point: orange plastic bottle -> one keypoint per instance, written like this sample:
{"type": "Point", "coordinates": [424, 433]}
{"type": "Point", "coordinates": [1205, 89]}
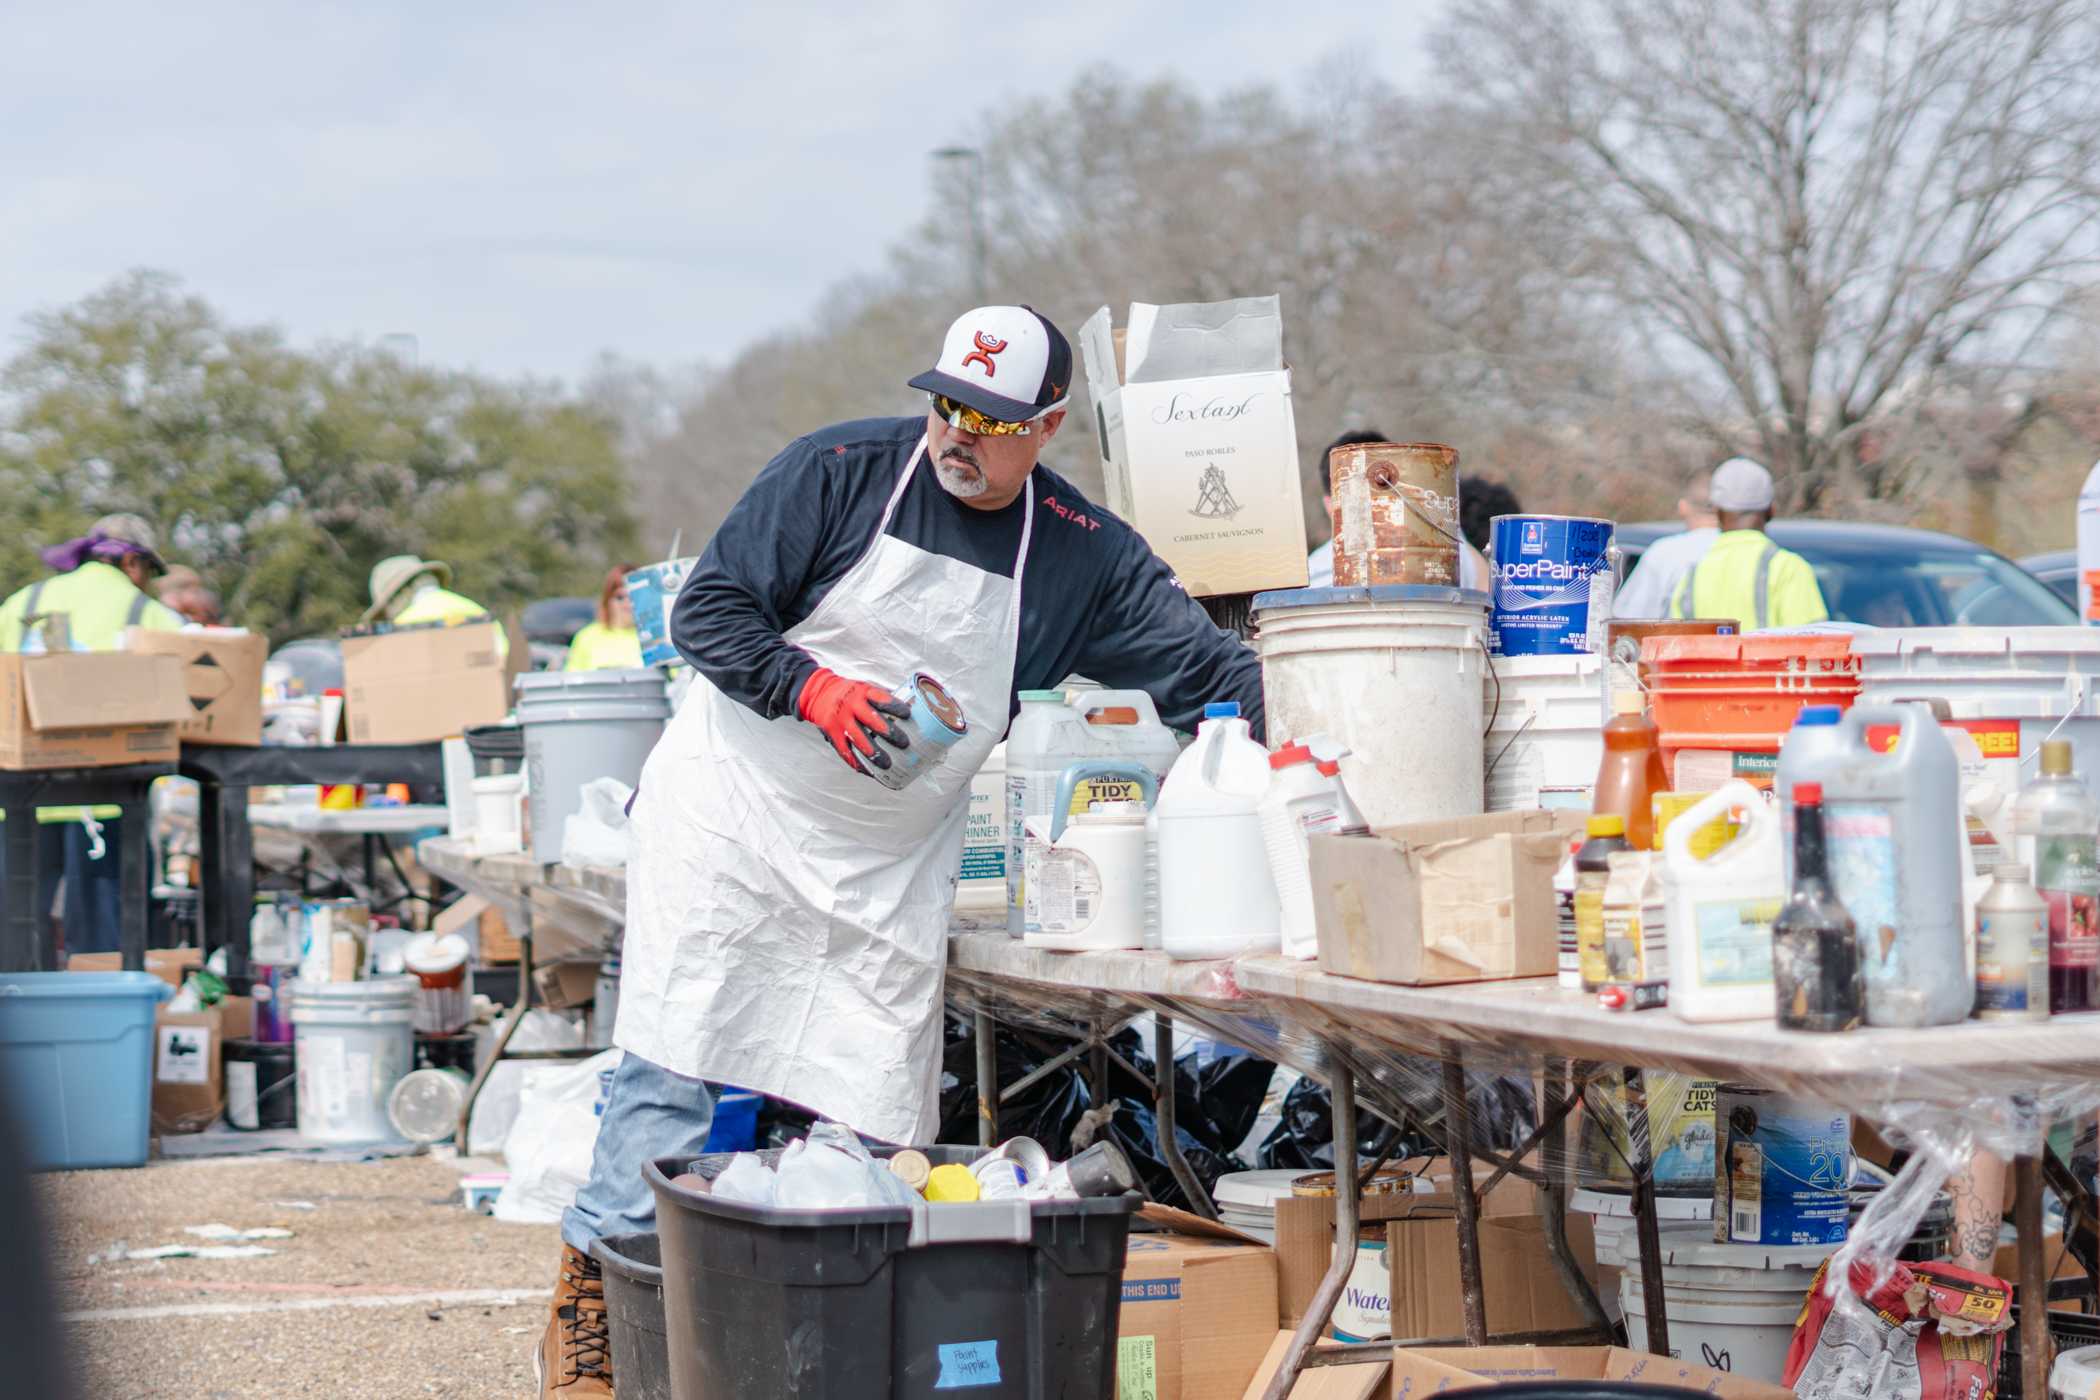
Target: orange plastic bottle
{"type": "Point", "coordinates": [1632, 771]}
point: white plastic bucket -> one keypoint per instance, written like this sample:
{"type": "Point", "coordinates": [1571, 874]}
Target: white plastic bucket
{"type": "Point", "coordinates": [2075, 1375]}
{"type": "Point", "coordinates": [581, 726]}
{"type": "Point", "coordinates": [354, 1042]}
{"type": "Point", "coordinates": [1732, 1306]}
{"type": "Point", "coordinates": [496, 829]}
{"type": "Point", "coordinates": [1396, 674]}
{"type": "Point", "coordinates": [1544, 740]}
{"type": "Point", "coordinates": [1612, 1222]}
{"type": "Point", "coordinates": [2035, 675]}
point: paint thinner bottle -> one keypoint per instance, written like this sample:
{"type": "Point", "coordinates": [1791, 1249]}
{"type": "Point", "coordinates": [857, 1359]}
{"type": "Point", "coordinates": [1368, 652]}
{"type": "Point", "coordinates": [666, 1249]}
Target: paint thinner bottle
{"type": "Point", "coordinates": [1817, 981]}
{"type": "Point", "coordinates": [2012, 949]}
{"type": "Point", "coordinates": [2055, 822]}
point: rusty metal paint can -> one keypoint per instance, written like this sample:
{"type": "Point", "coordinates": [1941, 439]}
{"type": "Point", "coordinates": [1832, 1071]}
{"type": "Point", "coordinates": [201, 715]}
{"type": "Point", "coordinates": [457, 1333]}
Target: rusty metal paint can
{"type": "Point", "coordinates": [1395, 513]}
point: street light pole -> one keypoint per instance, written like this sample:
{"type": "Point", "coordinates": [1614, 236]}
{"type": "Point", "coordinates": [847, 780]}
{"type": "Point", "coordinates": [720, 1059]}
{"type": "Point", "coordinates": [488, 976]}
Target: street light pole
{"type": "Point", "coordinates": [977, 257]}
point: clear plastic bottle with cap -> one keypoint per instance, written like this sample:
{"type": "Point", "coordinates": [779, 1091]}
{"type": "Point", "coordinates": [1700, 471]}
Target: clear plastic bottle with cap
{"type": "Point", "coordinates": [2012, 948]}
{"type": "Point", "coordinates": [1632, 771]}
{"type": "Point", "coordinates": [2055, 824]}
{"type": "Point", "coordinates": [1217, 898]}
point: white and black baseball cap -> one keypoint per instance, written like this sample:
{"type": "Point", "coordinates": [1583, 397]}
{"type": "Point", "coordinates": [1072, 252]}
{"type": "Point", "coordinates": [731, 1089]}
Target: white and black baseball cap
{"type": "Point", "coordinates": [1007, 362]}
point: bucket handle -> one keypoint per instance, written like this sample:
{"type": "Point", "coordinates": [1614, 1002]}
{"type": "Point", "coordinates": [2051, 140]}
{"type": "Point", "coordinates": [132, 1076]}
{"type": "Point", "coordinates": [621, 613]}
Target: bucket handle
{"type": "Point", "coordinates": [970, 1222]}
{"type": "Point", "coordinates": [1068, 783]}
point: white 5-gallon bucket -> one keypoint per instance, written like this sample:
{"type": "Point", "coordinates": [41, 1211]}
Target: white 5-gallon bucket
{"type": "Point", "coordinates": [1731, 1306]}
{"type": "Point", "coordinates": [2075, 1375]}
{"type": "Point", "coordinates": [1611, 1221]}
{"type": "Point", "coordinates": [1395, 673]}
{"type": "Point", "coordinates": [355, 1041]}
{"type": "Point", "coordinates": [1544, 740]}
{"type": "Point", "coordinates": [581, 726]}
{"type": "Point", "coordinates": [2029, 676]}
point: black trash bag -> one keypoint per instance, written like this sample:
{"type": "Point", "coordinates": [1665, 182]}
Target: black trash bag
{"type": "Point", "coordinates": [1135, 1129]}
{"type": "Point", "coordinates": [1047, 1110]}
{"type": "Point", "coordinates": [1504, 1115]}
{"type": "Point", "coordinates": [1220, 1102]}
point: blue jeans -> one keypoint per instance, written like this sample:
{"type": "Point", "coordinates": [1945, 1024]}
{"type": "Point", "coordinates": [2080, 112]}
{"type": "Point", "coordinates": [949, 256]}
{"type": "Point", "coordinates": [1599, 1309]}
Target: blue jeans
{"type": "Point", "coordinates": [649, 1113]}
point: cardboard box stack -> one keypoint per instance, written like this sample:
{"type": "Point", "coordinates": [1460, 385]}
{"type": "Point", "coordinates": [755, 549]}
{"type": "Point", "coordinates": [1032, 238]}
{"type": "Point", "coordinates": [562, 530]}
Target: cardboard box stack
{"type": "Point", "coordinates": [1199, 1302]}
{"type": "Point", "coordinates": [222, 674]}
{"type": "Point", "coordinates": [421, 684]}
{"type": "Point", "coordinates": [1199, 449]}
{"type": "Point", "coordinates": [89, 709]}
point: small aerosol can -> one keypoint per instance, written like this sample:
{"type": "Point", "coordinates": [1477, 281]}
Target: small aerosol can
{"type": "Point", "coordinates": [2012, 949]}
{"type": "Point", "coordinates": [936, 723]}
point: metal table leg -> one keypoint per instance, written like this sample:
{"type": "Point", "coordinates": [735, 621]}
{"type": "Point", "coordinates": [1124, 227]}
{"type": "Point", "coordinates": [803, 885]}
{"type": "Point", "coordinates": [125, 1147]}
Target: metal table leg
{"type": "Point", "coordinates": [1163, 1115]}
{"type": "Point", "coordinates": [1560, 1094]}
{"type": "Point", "coordinates": [1458, 1147]}
{"type": "Point", "coordinates": [21, 922]}
{"type": "Point", "coordinates": [1646, 1229]}
{"type": "Point", "coordinates": [134, 857]}
{"type": "Point", "coordinates": [1342, 1085]}
{"type": "Point", "coordinates": [2032, 1289]}
{"type": "Point", "coordinates": [985, 1033]}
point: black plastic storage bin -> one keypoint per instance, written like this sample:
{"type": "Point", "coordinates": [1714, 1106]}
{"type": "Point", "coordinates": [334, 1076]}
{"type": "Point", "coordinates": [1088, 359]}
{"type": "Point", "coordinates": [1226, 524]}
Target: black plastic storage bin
{"type": "Point", "coordinates": [1002, 1300]}
{"type": "Point", "coordinates": [634, 1311]}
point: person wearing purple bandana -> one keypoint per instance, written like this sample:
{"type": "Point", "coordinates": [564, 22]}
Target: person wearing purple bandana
{"type": "Point", "coordinates": [98, 582]}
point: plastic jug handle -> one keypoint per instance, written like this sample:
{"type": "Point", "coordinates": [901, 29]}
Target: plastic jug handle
{"type": "Point", "coordinates": [1068, 782]}
{"type": "Point", "coordinates": [1904, 715]}
{"type": "Point", "coordinates": [1141, 701]}
{"type": "Point", "coordinates": [1677, 837]}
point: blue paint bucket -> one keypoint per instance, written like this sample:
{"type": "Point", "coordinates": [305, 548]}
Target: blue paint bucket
{"type": "Point", "coordinates": [936, 723]}
{"type": "Point", "coordinates": [1554, 578]}
{"type": "Point", "coordinates": [1782, 1169]}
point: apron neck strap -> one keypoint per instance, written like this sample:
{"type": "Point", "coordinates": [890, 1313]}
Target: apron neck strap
{"type": "Point", "coordinates": [1013, 610]}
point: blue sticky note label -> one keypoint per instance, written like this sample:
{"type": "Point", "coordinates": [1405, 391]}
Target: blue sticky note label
{"type": "Point", "coordinates": [967, 1364]}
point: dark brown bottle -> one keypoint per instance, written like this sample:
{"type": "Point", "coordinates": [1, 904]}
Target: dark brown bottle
{"type": "Point", "coordinates": [1816, 975]}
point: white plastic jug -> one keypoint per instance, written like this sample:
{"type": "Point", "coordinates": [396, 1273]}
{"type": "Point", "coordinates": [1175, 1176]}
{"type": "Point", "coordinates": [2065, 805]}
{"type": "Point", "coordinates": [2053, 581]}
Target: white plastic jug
{"type": "Point", "coordinates": [1898, 835]}
{"type": "Point", "coordinates": [1087, 870]}
{"type": "Point", "coordinates": [1048, 736]}
{"type": "Point", "coordinates": [1305, 798]}
{"type": "Point", "coordinates": [1720, 908]}
{"type": "Point", "coordinates": [1216, 896]}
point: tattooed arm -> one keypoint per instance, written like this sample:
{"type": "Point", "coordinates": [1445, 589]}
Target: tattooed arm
{"type": "Point", "coordinates": [1978, 1190]}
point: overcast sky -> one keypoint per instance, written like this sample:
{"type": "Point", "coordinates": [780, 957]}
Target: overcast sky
{"type": "Point", "coordinates": [523, 185]}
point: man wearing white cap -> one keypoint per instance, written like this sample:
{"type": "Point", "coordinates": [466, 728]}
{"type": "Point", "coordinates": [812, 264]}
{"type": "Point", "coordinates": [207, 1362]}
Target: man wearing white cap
{"type": "Point", "coordinates": [787, 911]}
{"type": "Point", "coordinates": [1744, 575]}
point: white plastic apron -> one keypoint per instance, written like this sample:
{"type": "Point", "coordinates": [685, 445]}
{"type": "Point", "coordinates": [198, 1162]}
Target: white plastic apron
{"type": "Point", "coordinates": [787, 918]}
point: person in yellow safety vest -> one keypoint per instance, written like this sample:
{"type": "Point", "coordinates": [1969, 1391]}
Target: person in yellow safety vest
{"type": "Point", "coordinates": [610, 642]}
{"type": "Point", "coordinates": [1743, 574]}
{"type": "Point", "coordinates": [407, 591]}
{"type": "Point", "coordinates": [99, 585]}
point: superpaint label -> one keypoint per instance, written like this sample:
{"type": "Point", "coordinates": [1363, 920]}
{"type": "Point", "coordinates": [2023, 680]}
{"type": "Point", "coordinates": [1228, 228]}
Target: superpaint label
{"type": "Point", "coordinates": [1552, 584]}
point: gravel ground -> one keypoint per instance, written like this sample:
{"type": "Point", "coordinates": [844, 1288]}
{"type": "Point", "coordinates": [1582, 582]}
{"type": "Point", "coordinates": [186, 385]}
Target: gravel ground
{"type": "Point", "coordinates": [386, 1287]}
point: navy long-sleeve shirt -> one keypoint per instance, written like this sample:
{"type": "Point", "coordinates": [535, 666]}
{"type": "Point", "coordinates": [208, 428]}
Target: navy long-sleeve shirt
{"type": "Point", "coordinates": [1095, 600]}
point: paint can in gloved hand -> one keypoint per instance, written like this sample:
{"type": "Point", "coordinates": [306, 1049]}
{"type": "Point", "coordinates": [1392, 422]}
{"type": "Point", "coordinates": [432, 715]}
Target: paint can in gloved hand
{"type": "Point", "coordinates": [936, 723]}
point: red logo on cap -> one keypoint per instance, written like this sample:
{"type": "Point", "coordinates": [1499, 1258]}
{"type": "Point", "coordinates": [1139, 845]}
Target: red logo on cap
{"type": "Point", "coordinates": [986, 348]}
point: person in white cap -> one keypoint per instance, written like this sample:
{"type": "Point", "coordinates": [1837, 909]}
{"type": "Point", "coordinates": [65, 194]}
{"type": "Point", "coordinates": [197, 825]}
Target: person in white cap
{"type": "Point", "coordinates": [1652, 586]}
{"type": "Point", "coordinates": [787, 912]}
{"type": "Point", "coordinates": [1744, 575]}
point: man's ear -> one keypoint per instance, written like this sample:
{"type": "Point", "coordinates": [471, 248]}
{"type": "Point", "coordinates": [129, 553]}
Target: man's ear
{"type": "Point", "coordinates": [1051, 422]}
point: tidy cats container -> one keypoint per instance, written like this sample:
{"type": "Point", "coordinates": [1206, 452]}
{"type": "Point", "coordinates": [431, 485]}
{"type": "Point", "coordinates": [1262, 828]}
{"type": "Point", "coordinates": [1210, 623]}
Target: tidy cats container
{"type": "Point", "coordinates": [1396, 675]}
{"type": "Point", "coordinates": [581, 726]}
{"type": "Point", "coordinates": [355, 1041]}
{"type": "Point", "coordinates": [1724, 704]}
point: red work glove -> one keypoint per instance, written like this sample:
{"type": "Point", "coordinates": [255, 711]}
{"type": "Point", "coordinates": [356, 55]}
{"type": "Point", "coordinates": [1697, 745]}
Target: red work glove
{"type": "Point", "coordinates": [851, 713]}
